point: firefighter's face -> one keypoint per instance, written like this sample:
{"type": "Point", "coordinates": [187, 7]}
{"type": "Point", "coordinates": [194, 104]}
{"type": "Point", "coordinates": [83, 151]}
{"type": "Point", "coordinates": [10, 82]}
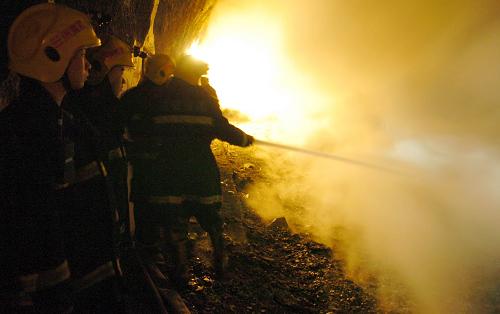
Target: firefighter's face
{"type": "Point", "coordinates": [78, 70]}
{"type": "Point", "coordinates": [115, 77]}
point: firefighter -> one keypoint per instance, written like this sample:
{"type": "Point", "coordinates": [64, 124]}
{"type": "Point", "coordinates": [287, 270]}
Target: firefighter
{"type": "Point", "coordinates": [100, 103]}
{"type": "Point", "coordinates": [194, 124]}
{"type": "Point", "coordinates": [91, 220]}
{"type": "Point", "coordinates": [186, 180]}
{"type": "Point", "coordinates": [142, 147]}
{"type": "Point", "coordinates": [46, 47]}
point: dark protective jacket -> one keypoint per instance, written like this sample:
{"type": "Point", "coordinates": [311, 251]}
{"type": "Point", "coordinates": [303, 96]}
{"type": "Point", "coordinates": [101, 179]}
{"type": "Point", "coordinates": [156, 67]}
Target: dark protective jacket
{"type": "Point", "coordinates": [172, 127]}
{"type": "Point", "coordinates": [89, 218]}
{"type": "Point", "coordinates": [31, 180]}
{"type": "Point", "coordinates": [100, 105]}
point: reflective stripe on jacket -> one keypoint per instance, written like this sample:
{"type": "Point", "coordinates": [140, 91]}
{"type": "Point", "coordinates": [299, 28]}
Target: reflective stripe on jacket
{"type": "Point", "coordinates": [183, 119]}
{"type": "Point", "coordinates": [172, 127]}
{"type": "Point", "coordinates": [99, 274]}
{"type": "Point", "coordinates": [44, 279]}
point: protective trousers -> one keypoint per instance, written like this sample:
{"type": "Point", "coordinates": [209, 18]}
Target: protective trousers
{"type": "Point", "coordinates": [209, 219]}
{"type": "Point", "coordinates": [174, 221]}
{"type": "Point", "coordinates": [157, 224]}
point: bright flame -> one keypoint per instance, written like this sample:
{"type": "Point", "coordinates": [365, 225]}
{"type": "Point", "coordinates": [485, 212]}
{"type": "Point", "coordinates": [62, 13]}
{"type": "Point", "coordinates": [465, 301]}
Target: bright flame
{"type": "Point", "coordinates": [252, 74]}
{"type": "Point", "coordinates": [415, 81]}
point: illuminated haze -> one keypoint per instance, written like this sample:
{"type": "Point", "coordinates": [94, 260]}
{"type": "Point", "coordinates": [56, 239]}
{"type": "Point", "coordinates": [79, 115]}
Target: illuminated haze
{"type": "Point", "coordinates": [400, 83]}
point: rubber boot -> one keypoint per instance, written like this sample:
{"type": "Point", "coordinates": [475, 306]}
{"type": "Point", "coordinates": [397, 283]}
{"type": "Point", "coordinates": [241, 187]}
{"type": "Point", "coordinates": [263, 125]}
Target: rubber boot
{"type": "Point", "coordinates": [180, 274]}
{"type": "Point", "coordinates": [219, 256]}
{"type": "Point", "coordinates": [176, 231]}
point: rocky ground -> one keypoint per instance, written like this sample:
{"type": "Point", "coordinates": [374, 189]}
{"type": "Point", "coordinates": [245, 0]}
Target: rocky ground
{"type": "Point", "coordinates": [270, 269]}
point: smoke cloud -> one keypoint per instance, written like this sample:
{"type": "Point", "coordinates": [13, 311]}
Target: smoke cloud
{"type": "Point", "coordinates": [413, 85]}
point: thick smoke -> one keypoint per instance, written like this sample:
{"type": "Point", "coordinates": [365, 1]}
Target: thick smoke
{"type": "Point", "coordinates": [408, 84]}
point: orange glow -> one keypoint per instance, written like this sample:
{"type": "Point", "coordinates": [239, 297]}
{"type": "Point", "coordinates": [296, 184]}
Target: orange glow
{"type": "Point", "coordinates": [395, 83]}
{"type": "Point", "coordinates": [252, 74]}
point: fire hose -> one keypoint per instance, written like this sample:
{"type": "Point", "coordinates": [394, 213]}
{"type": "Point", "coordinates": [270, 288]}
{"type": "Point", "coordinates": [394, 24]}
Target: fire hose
{"type": "Point", "coordinates": [325, 155]}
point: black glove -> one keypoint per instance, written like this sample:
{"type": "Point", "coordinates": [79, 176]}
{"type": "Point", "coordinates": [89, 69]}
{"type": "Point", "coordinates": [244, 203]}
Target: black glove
{"type": "Point", "coordinates": [250, 140]}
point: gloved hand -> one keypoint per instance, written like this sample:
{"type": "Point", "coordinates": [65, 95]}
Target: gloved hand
{"type": "Point", "coordinates": [250, 140]}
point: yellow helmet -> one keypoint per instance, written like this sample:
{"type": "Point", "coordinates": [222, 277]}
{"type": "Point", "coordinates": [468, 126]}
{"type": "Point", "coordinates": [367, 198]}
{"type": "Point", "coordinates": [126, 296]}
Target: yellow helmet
{"type": "Point", "coordinates": [44, 38]}
{"type": "Point", "coordinates": [159, 68]}
{"type": "Point", "coordinates": [114, 52]}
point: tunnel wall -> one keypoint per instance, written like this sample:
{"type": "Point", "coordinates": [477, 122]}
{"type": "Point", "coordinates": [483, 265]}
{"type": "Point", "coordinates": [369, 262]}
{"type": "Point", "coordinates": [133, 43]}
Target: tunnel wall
{"type": "Point", "coordinates": [177, 23]}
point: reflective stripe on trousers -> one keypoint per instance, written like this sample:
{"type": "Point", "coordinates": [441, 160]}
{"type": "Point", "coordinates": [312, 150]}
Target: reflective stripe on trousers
{"type": "Point", "coordinates": [97, 275]}
{"type": "Point", "coordinates": [177, 200]}
{"type": "Point", "coordinates": [45, 279]}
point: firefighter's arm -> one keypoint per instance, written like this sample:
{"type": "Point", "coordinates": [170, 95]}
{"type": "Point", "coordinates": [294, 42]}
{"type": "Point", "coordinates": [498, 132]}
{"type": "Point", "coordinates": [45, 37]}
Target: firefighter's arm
{"type": "Point", "coordinates": [227, 132]}
{"type": "Point", "coordinates": [126, 107]}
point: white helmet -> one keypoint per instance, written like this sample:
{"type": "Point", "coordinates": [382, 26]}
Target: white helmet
{"type": "Point", "coordinates": [114, 52]}
{"type": "Point", "coordinates": [159, 68]}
